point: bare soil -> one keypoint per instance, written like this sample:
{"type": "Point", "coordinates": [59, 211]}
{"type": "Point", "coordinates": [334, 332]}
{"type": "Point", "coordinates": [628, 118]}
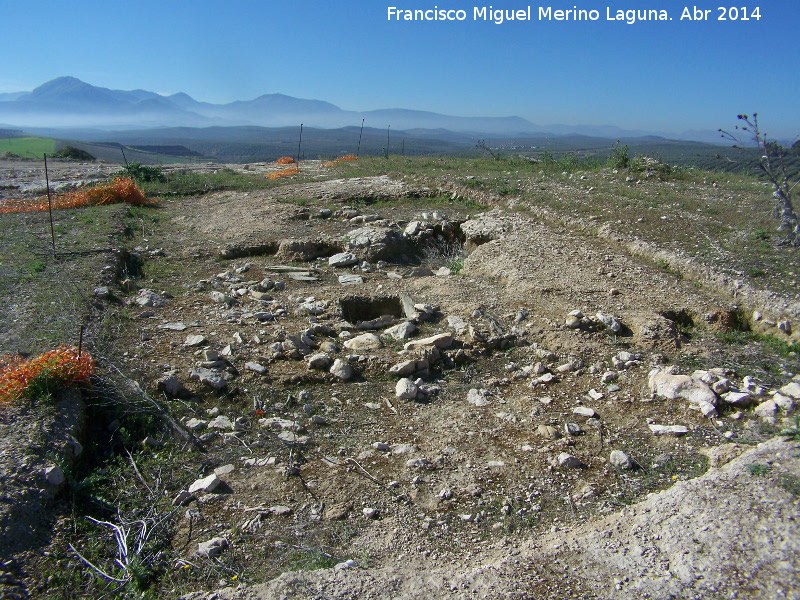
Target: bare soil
{"type": "Point", "coordinates": [487, 511]}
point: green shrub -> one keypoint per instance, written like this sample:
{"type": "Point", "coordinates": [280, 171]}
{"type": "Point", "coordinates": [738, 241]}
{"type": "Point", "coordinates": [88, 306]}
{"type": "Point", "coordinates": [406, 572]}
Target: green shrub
{"type": "Point", "coordinates": [141, 173]}
{"type": "Point", "coordinates": [72, 153]}
{"type": "Point", "coordinates": [619, 158]}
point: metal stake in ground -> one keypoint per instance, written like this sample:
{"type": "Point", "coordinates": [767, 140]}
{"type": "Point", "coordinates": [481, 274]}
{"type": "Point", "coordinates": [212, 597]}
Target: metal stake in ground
{"type": "Point", "coordinates": [300, 142]}
{"type": "Point", "coordinates": [50, 206]}
{"type": "Point", "coordinates": [358, 150]}
{"type": "Point", "coordinates": [388, 129]}
{"type": "Point", "coordinates": [123, 155]}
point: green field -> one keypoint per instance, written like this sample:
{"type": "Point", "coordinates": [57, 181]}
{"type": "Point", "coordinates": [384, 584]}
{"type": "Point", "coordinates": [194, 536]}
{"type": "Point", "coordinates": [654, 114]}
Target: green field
{"type": "Point", "coordinates": [28, 147]}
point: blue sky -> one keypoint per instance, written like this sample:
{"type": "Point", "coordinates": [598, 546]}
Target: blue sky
{"type": "Point", "coordinates": [660, 76]}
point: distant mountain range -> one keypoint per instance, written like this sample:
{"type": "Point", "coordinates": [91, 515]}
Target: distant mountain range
{"type": "Point", "coordinates": [69, 103]}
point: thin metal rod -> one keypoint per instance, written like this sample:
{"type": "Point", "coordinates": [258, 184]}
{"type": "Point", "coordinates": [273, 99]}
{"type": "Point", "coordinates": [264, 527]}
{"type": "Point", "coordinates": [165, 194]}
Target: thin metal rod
{"type": "Point", "coordinates": [300, 142]}
{"type": "Point", "coordinates": [50, 206]}
{"type": "Point", "coordinates": [358, 150]}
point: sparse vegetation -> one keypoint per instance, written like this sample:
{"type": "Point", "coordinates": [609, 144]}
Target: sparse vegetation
{"type": "Point", "coordinates": [774, 167]}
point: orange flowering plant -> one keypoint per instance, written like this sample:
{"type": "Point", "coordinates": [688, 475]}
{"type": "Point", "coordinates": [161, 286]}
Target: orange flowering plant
{"type": "Point", "coordinates": [42, 375]}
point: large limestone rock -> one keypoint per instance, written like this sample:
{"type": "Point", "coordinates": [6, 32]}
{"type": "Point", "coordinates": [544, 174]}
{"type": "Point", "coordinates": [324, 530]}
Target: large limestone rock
{"type": "Point", "coordinates": [684, 387]}
{"type": "Point", "coordinates": [378, 243]}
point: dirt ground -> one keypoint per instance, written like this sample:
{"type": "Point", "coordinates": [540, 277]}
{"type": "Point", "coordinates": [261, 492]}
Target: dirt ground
{"type": "Point", "coordinates": [494, 477]}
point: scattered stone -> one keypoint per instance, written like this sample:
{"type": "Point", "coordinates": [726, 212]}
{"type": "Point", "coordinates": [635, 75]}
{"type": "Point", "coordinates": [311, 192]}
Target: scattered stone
{"type": "Point", "coordinates": [441, 341]}
{"type": "Point", "coordinates": [280, 511]}
{"type": "Point", "coordinates": [676, 430]}
{"type": "Point", "coordinates": [364, 342]}
{"type": "Point", "coordinates": [213, 547]}
{"type": "Point", "coordinates": [721, 386]}
{"type": "Point", "coordinates": [457, 323]}
{"type": "Point", "coordinates": [102, 292]}
{"type": "Point", "coordinates": [170, 384]}
{"type": "Point", "coordinates": [573, 429]}
{"type": "Point", "coordinates": [405, 389]}
{"type": "Point", "coordinates": [343, 259]}
{"type": "Point", "coordinates": [738, 398]}
{"type": "Point", "coordinates": [256, 368]}
{"type": "Point", "coordinates": [417, 463]}
{"type": "Point", "coordinates": [609, 376]}
{"type": "Point", "coordinates": [404, 368]}
{"type": "Point", "coordinates": [610, 321]}
{"type": "Point", "coordinates": [783, 402]}
{"type": "Point", "coordinates": [401, 331]}
{"type": "Point", "coordinates": [584, 411]}
{"type": "Point", "coordinates": [767, 409]}
{"type": "Point", "coordinates": [194, 340]}
{"type": "Point", "coordinates": [673, 387]}
{"type": "Point", "coordinates": [370, 513]}
{"type": "Point", "coordinates": [208, 377]}
{"type": "Point", "coordinates": [351, 279]}
{"type": "Point", "coordinates": [291, 438]}
{"type": "Point", "coordinates": [319, 361]}
{"type": "Point", "coordinates": [221, 422]}
{"type": "Point", "coordinates": [54, 475]}
{"type": "Point", "coordinates": [151, 442]}
{"type": "Point", "coordinates": [546, 378]}
{"type": "Point", "coordinates": [792, 390]}
{"type": "Point", "coordinates": [380, 446]}
{"type": "Point", "coordinates": [548, 431]}
{"type": "Point", "coordinates": [572, 322]}
{"type": "Point", "coordinates": [149, 298]}
{"type": "Point", "coordinates": [403, 449]}
{"type": "Point", "coordinates": [224, 470]}
{"type": "Point", "coordinates": [219, 297]}
{"type": "Point", "coordinates": [196, 424]}
{"type": "Point", "coordinates": [568, 461]}
{"type": "Point", "coordinates": [620, 460]}
{"type": "Point", "coordinates": [478, 397]}
{"type": "Point", "coordinates": [206, 484]}
{"type": "Point", "coordinates": [348, 564]}
{"type": "Point", "coordinates": [341, 369]}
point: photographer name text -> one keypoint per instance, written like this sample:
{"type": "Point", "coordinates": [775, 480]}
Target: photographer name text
{"type": "Point", "coordinates": [548, 13]}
